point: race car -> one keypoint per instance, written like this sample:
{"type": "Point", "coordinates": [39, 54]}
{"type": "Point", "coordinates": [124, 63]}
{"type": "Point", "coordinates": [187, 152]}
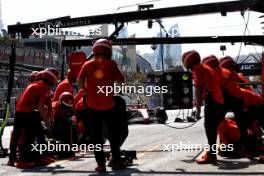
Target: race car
{"type": "Point", "coordinates": [139, 112]}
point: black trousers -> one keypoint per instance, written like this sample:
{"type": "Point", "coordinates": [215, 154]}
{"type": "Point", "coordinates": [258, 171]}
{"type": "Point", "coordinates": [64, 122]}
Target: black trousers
{"type": "Point", "coordinates": [30, 123]}
{"type": "Point", "coordinates": [236, 105]}
{"type": "Point", "coordinates": [255, 113]}
{"type": "Point", "coordinates": [95, 119]}
{"type": "Point", "coordinates": [121, 119]}
{"type": "Point", "coordinates": [116, 129]}
{"type": "Point", "coordinates": [213, 115]}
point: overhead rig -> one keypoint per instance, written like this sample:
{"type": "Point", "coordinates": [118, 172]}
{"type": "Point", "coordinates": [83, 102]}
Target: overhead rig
{"type": "Point", "coordinates": [248, 40]}
{"type": "Point", "coordinates": [66, 22]}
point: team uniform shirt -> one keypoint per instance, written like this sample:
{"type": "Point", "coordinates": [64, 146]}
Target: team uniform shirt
{"type": "Point", "coordinates": [35, 93]}
{"type": "Point", "coordinates": [251, 98]}
{"type": "Point", "coordinates": [205, 77]}
{"type": "Point", "coordinates": [78, 100]}
{"type": "Point", "coordinates": [100, 72]}
{"type": "Point", "coordinates": [64, 86]}
{"type": "Point", "coordinates": [239, 78]}
{"type": "Point", "coordinates": [228, 131]}
{"type": "Point", "coordinates": [243, 79]}
{"type": "Point", "coordinates": [227, 81]}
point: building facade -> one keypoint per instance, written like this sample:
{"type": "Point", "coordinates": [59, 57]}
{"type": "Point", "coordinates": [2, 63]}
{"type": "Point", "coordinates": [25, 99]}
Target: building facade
{"type": "Point", "coordinates": [170, 54]}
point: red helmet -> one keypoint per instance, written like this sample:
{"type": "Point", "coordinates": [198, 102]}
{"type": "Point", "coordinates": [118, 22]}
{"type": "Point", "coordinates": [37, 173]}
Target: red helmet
{"type": "Point", "coordinates": [227, 62]}
{"type": "Point", "coordinates": [39, 76]}
{"type": "Point", "coordinates": [184, 55]}
{"type": "Point", "coordinates": [49, 77]}
{"type": "Point", "coordinates": [211, 61]}
{"type": "Point", "coordinates": [67, 99]}
{"type": "Point", "coordinates": [191, 58]}
{"type": "Point", "coordinates": [33, 76]}
{"type": "Point", "coordinates": [102, 46]}
{"type": "Point", "coordinates": [70, 76]}
{"type": "Point", "coordinates": [54, 71]}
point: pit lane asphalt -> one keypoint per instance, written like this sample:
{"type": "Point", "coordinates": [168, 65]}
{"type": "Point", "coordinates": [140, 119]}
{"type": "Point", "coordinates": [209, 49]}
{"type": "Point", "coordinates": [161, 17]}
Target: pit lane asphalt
{"type": "Point", "coordinates": [151, 142]}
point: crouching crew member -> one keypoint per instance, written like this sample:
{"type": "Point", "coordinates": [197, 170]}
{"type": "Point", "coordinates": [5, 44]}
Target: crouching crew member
{"type": "Point", "coordinates": [32, 78]}
{"type": "Point", "coordinates": [254, 111]}
{"type": "Point", "coordinates": [65, 129]}
{"type": "Point", "coordinates": [229, 134]}
{"type": "Point", "coordinates": [28, 116]}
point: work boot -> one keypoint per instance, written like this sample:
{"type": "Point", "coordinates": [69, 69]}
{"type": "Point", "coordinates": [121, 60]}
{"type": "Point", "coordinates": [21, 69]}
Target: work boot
{"type": "Point", "coordinates": [124, 160]}
{"type": "Point", "coordinates": [261, 159]}
{"type": "Point", "coordinates": [119, 164]}
{"type": "Point", "coordinates": [25, 165]}
{"type": "Point", "coordinates": [246, 153]}
{"type": "Point", "coordinates": [46, 160]}
{"type": "Point", "coordinates": [206, 158]}
{"type": "Point", "coordinates": [11, 163]}
{"type": "Point", "coordinates": [100, 168]}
